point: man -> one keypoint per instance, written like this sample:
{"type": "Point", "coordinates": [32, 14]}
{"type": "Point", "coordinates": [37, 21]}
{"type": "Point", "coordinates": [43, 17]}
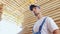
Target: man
{"type": "Point", "coordinates": [7, 27]}
{"type": "Point", "coordinates": [49, 27]}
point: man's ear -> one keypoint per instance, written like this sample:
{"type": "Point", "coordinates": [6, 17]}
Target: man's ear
{"type": "Point", "coordinates": [32, 12]}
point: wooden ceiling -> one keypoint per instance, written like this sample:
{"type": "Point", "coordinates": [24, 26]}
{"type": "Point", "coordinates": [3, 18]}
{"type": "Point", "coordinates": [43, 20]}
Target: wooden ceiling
{"type": "Point", "coordinates": [18, 10]}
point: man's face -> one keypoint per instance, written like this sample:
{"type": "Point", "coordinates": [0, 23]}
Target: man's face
{"type": "Point", "coordinates": [36, 10]}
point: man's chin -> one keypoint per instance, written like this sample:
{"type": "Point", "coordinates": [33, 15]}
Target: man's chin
{"type": "Point", "coordinates": [36, 14]}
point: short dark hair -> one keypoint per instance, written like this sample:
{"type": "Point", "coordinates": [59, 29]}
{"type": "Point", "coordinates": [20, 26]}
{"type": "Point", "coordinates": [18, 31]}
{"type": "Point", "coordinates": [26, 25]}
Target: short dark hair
{"type": "Point", "coordinates": [32, 6]}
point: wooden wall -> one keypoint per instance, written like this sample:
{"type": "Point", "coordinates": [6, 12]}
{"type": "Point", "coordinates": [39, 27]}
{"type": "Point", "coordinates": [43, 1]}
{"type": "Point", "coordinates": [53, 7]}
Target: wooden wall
{"type": "Point", "coordinates": [19, 11]}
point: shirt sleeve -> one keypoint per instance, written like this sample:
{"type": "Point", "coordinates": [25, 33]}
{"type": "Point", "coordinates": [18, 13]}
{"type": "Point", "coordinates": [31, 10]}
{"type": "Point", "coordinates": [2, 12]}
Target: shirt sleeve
{"type": "Point", "coordinates": [51, 24]}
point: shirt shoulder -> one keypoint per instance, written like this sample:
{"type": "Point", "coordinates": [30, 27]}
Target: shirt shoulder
{"type": "Point", "coordinates": [51, 24]}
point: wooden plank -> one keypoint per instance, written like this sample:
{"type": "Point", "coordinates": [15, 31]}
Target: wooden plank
{"type": "Point", "coordinates": [50, 6]}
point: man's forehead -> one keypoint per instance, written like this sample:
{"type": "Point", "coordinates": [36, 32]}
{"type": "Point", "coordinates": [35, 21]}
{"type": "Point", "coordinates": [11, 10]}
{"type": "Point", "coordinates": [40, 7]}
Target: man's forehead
{"type": "Point", "coordinates": [37, 7]}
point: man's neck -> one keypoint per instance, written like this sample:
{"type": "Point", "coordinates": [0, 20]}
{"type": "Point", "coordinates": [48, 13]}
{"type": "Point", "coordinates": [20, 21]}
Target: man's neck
{"type": "Point", "coordinates": [39, 16]}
